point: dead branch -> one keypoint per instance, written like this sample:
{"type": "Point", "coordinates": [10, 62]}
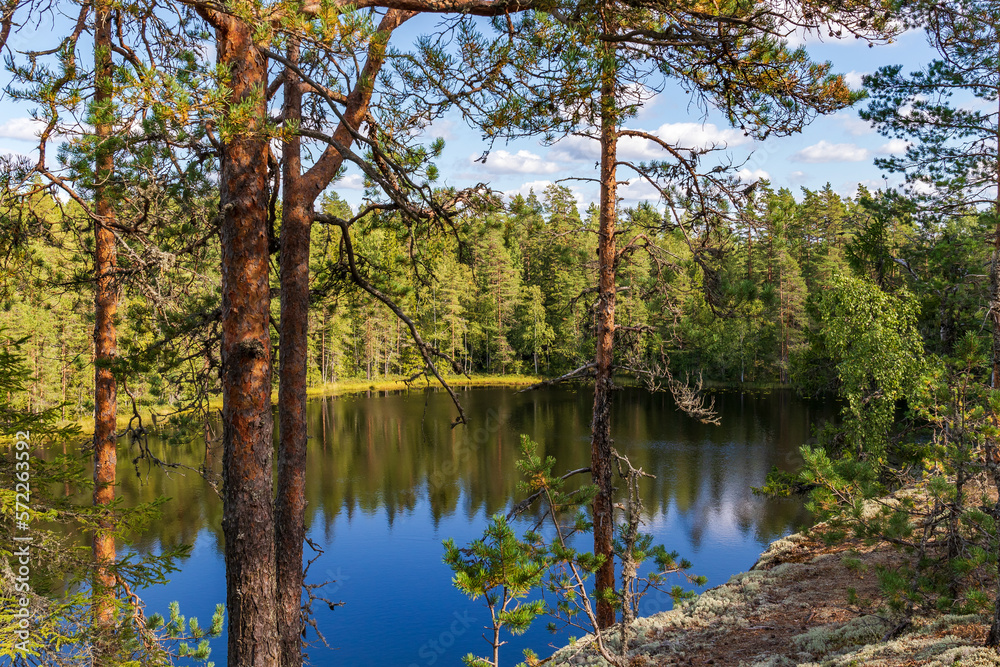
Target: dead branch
{"type": "Point", "coordinates": [585, 371]}
{"type": "Point", "coordinates": [426, 351]}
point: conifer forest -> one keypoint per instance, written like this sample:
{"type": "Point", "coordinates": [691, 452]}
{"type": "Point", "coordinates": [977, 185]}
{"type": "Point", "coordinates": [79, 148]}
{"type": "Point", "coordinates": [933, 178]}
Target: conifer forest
{"type": "Point", "coordinates": [281, 278]}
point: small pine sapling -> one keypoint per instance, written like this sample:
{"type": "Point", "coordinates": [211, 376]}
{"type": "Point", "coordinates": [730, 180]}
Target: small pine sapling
{"type": "Point", "coordinates": [504, 570]}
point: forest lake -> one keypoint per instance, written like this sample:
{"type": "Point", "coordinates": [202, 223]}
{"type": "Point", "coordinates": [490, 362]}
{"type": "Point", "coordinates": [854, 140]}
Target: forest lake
{"type": "Point", "coordinates": [388, 479]}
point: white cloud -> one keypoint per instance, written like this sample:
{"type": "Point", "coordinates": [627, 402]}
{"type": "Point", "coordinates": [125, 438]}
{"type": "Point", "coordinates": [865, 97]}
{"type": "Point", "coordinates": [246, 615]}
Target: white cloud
{"type": "Point", "coordinates": [637, 150]}
{"type": "Point", "coordinates": [575, 149]}
{"type": "Point", "coordinates": [853, 79]}
{"type": "Point", "coordinates": [523, 190]}
{"type": "Point", "coordinates": [748, 176]}
{"type": "Point", "coordinates": [824, 151]}
{"type": "Point", "coordinates": [350, 182]}
{"type": "Point", "coordinates": [442, 128]}
{"type": "Point", "coordinates": [894, 146]}
{"type": "Point", "coordinates": [796, 36]}
{"type": "Point", "coordinates": [24, 129]}
{"type": "Point", "coordinates": [691, 135]}
{"type": "Point", "coordinates": [852, 124]}
{"type": "Point", "coordinates": [638, 189]}
{"type": "Point", "coordinates": [522, 162]}
{"type": "Point", "coordinates": [681, 135]}
{"type": "Point", "coordinates": [798, 177]}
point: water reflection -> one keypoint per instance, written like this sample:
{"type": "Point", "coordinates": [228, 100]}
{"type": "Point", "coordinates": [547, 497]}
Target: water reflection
{"type": "Point", "coordinates": [383, 452]}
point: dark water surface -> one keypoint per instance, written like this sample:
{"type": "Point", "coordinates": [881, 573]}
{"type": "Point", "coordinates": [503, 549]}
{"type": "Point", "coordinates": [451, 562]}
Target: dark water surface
{"type": "Point", "coordinates": [388, 480]}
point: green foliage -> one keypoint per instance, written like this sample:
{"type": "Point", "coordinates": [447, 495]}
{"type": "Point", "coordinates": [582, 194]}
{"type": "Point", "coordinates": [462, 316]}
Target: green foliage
{"type": "Point", "coordinates": [872, 250]}
{"type": "Point", "coordinates": [56, 591]}
{"type": "Point", "coordinates": [505, 569]}
{"type": "Point", "coordinates": [923, 491]}
{"type": "Point", "coordinates": [510, 292]}
{"type": "Point", "coordinates": [877, 351]}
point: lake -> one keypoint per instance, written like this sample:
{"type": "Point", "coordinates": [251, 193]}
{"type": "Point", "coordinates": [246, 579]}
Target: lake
{"type": "Point", "coordinates": [388, 480]}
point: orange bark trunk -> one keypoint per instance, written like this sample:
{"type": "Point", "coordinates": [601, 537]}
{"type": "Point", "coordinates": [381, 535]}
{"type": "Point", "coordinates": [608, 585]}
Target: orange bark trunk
{"type": "Point", "coordinates": [296, 220]}
{"type": "Point", "coordinates": [299, 195]}
{"type": "Point", "coordinates": [105, 350]}
{"type": "Point", "coordinates": [248, 425]}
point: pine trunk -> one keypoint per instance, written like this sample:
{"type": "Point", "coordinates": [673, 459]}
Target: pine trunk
{"type": "Point", "coordinates": [105, 348]}
{"type": "Point", "coordinates": [299, 195]}
{"type": "Point", "coordinates": [248, 425]}
{"type": "Point", "coordinates": [600, 453]}
{"type": "Point", "coordinates": [296, 220]}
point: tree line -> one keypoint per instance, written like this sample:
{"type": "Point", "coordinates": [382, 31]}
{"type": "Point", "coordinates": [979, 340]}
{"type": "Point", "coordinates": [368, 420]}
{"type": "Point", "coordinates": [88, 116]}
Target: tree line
{"type": "Point", "coordinates": [513, 293]}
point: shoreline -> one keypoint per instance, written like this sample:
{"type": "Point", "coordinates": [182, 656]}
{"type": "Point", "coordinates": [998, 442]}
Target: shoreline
{"type": "Point", "coordinates": [329, 390]}
{"type": "Point", "coordinates": [347, 387]}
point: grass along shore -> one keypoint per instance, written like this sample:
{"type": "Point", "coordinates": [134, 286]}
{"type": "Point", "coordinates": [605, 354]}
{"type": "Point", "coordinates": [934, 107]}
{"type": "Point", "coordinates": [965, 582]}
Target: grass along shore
{"type": "Point", "coordinates": [359, 386]}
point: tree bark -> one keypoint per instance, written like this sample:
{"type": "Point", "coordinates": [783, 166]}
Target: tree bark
{"type": "Point", "coordinates": [296, 221]}
{"type": "Point", "coordinates": [600, 452]}
{"type": "Point", "coordinates": [105, 347]}
{"type": "Point", "coordinates": [995, 280]}
{"type": "Point", "coordinates": [248, 510]}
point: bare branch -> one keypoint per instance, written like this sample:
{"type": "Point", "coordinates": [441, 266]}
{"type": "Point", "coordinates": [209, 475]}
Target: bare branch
{"type": "Point", "coordinates": [585, 371]}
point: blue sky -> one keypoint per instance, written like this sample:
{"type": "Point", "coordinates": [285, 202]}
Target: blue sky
{"type": "Point", "coordinates": [838, 149]}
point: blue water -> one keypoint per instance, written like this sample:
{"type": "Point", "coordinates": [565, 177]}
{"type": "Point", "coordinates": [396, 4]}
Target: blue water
{"type": "Point", "coordinates": [385, 487]}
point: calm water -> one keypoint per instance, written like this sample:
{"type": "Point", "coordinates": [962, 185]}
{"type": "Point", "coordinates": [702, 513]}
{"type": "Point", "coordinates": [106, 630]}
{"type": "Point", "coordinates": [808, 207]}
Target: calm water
{"type": "Point", "coordinates": [388, 479]}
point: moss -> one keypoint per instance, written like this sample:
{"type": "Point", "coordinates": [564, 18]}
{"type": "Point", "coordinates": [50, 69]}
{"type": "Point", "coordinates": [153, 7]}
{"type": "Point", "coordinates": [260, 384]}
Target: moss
{"type": "Point", "coordinates": [779, 551]}
{"type": "Point", "coordinates": [829, 639]}
{"type": "Point", "coordinates": [929, 651]}
{"type": "Point", "coordinates": [950, 620]}
{"type": "Point", "coordinates": [696, 628]}
{"type": "Point", "coordinates": [967, 656]}
{"type": "Point", "coordinates": [775, 661]}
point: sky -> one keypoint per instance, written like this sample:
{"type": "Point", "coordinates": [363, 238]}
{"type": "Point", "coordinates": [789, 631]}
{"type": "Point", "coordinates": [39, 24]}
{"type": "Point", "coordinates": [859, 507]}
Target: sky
{"type": "Point", "coordinates": [838, 149]}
